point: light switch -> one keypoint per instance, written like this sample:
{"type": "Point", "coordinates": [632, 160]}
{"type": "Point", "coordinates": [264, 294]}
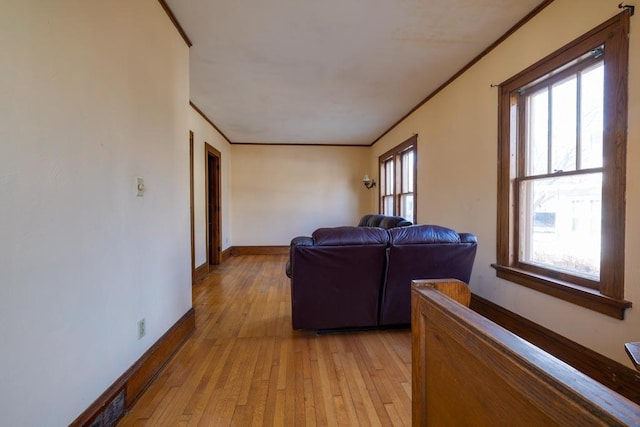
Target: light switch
{"type": "Point", "coordinates": [140, 187]}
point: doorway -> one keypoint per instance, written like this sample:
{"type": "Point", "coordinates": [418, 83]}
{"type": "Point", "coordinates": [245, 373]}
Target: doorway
{"type": "Point", "coordinates": [212, 203]}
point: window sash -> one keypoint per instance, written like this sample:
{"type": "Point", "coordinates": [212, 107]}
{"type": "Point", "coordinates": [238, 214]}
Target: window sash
{"type": "Point", "coordinates": [406, 206]}
{"type": "Point", "coordinates": [547, 141]}
{"type": "Point", "coordinates": [566, 242]}
{"type": "Point", "coordinates": [387, 175]}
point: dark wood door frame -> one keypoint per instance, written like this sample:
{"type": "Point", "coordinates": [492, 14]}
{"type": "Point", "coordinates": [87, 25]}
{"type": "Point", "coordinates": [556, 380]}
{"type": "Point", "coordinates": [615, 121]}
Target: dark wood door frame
{"type": "Point", "coordinates": [191, 203]}
{"type": "Point", "coordinates": [213, 160]}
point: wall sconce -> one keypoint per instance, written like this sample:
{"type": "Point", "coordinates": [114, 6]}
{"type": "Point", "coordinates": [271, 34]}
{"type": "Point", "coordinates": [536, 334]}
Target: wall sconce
{"type": "Point", "coordinates": [368, 182]}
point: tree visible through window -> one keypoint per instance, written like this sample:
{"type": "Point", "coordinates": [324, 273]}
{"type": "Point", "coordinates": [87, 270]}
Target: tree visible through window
{"type": "Point", "coordinates": [562, 162]}
{"type": "Point", "coordinates": [398, 180]}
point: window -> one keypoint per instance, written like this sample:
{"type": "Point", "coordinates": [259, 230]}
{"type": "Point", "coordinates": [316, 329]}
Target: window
{"type": "Point", "coordinates": [562, 160]}
{"type": "Point", "coordinates": [398, 180]}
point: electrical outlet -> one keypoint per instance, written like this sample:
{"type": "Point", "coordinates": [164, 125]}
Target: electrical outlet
{"type": "Point", "coordinates": [142, 328]}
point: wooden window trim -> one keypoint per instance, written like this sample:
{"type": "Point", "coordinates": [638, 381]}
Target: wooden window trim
{"type": "Point", "coordinates": [608, 299]}
{"type": "Point", "coordinates": [396, 154]}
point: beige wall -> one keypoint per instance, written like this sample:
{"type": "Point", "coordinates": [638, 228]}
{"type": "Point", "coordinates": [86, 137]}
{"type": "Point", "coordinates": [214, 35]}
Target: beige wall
{"type": "Point", "coordinates": [457, 170]}
{"type": "Point", "coordinates": [92, 95]}
{"type": "Point", "coordinates": [204, 132]}
{"type": "Point", "coordinates": [279, 192]}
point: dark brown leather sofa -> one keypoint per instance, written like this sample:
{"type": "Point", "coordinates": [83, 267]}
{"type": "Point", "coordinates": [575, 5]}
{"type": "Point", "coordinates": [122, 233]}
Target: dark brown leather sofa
{"type": "Point", "coordinates": [360, 277]}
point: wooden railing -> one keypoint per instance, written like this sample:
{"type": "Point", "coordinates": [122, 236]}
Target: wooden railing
{"type": "Point", "coordinates": [469, 371]}
{"type": "Point", "coordinates": [633, 350]}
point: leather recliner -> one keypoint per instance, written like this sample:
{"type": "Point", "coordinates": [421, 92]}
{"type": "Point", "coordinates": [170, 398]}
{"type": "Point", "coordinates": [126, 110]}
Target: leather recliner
{"type": "Point", "coordinates": [336, 277]}
{"type": "Point", "coordinates": [422, 252]}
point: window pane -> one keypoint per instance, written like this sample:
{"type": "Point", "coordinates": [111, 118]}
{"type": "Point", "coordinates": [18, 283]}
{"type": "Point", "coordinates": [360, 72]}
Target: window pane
{"type": "Point", "coordinates": [389, 178]}
{"type": "Point", "coordinates": [406, 206]}
{"type": "Point", "coordinates": [407, 171]}
{"type": "Point", "coordinates": [591, 117]}
{"type": "Point", "coordinates": [387, 205]}
{"type": "Point", "coordinates": [538, 134]}
{"type": "Point", "coordinates": [560, 223]}
{"type": "Point", "coordinates": [563, 125]}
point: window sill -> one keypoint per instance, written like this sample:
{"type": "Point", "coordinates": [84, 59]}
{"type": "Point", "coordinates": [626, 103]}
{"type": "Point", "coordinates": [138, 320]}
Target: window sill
{"type": "Point", "coordinates": [584, 297]}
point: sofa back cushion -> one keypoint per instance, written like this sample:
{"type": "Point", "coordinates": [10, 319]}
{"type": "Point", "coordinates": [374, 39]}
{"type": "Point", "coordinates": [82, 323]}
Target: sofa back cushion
{"type": "Point", "coordinates": [422, 252]}
{"type": "Point", "coordinates": [422, 235]}
{"type": "Point", "coordinates": [383, 221]}
{"type": "Point", "coordinates": [342, 236]}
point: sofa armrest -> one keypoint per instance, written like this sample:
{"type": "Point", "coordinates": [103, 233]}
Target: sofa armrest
{"type": "Point", "coordinates": [297, 241]}
{"type": "Point", "coordinates": [302, 241]}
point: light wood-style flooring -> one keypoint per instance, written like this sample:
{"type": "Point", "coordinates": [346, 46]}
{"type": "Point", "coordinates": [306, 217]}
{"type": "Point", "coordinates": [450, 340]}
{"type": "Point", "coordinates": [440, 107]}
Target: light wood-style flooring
{"type": "Point", "coordinates": [246, 366]}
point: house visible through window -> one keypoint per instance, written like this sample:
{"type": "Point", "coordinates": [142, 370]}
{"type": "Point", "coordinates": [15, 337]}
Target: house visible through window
{"type": "Point", "coordinates": [398, 180]}
{"type": "Point", "coordinates": [561, 172]}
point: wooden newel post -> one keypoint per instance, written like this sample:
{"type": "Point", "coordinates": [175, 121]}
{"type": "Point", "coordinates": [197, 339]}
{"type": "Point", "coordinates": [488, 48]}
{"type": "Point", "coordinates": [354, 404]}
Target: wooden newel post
{"type": "Point", "coordinates": [454, 289]}
{"type": "Point", "coordinates": [633, 350]}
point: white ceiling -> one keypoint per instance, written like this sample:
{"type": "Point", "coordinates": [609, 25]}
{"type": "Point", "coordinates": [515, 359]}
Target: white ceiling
{"type": "Point", "coordinates": [332, 71]}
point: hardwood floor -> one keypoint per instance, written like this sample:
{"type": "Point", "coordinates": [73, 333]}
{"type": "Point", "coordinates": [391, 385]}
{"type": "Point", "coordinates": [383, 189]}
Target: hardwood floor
{"type": "Point", "coordinates": [245, 366]}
